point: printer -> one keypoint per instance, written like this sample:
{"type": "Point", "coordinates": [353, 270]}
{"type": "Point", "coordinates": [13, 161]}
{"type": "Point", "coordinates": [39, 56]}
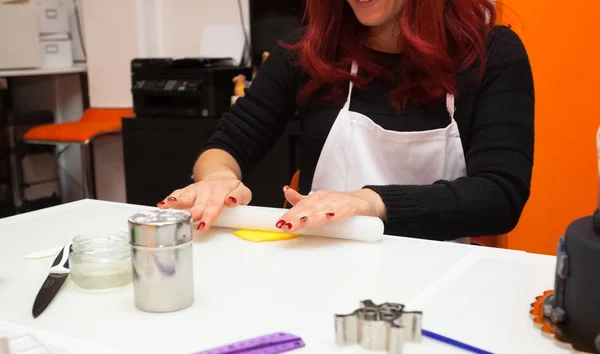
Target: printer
{"type": "Point", "coordinates": [183, 88]}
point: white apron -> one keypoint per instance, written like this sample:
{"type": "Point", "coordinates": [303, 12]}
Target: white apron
{"type": "Point", "coordinates": [358, 152]}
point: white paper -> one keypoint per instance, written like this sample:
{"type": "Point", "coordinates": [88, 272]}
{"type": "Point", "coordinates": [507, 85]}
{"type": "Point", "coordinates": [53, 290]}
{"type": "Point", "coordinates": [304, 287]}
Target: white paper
{"type": "Point", "coordinates": [26, 340]}
{"type": "Point", "coordinates": [222, 41]}
{"type": "Point", "coordinates": [21, 342]}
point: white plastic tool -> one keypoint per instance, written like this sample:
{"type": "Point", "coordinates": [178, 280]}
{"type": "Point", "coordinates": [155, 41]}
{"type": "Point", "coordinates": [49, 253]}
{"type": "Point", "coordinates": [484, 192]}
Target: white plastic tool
{"type": "Point", "coordinates": [44, 253]}
{"type": "Point", "coordinates": [358, 228]}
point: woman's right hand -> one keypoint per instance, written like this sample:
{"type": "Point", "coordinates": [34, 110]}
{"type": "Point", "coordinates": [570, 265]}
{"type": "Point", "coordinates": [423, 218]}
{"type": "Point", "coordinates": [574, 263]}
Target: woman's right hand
{"type": "Point", "coordinates": [206, 199]}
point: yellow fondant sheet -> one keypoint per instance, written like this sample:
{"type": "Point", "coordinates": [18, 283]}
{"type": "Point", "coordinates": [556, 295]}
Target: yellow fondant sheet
{"type": "Point", "coordinates": [263, 236]}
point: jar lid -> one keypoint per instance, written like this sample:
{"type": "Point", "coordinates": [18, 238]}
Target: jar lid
{"type": "Point", "coordinates": [101, 241]}
{"type": "Point", "coordinates": [160, 228]}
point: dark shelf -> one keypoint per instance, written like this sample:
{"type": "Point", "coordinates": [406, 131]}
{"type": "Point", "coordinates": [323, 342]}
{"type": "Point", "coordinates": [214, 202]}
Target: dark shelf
{"type": "Point", "coordinates": [34, 149]}
{"type": "Point", "coordinates": [41, 203]}
{"type": "Point", "coordinates": [6, 209]}
{"type": "Point", "coordinates": [159, 154]}
{"type": "Point", "coordinates": [13, 126]}
{"type": "Point", "coordinates": [271, 21]}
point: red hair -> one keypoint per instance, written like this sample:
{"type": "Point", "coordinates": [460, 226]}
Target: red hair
{"type": "Point", "coordinates": [440, 39]}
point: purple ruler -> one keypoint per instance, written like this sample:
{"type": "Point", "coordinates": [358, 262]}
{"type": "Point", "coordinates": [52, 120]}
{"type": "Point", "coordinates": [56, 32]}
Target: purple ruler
{"type": "Point", "coordinates": [269, 344]}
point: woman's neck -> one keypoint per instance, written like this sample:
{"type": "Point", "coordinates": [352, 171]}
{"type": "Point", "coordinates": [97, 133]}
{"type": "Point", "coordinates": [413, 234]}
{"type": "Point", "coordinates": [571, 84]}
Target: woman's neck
{"type": "Point", "coordinates": [385, 38]}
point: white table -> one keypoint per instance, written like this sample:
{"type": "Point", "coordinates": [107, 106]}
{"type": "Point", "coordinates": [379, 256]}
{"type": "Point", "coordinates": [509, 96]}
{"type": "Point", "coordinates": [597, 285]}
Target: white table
{"type": "Point", "coordinates": [76, 68]}
{"type": "Point", "coordinates": [477, 295]}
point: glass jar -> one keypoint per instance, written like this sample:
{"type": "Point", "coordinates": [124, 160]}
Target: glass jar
{"type": "Point", "coordinates": [101, 260]}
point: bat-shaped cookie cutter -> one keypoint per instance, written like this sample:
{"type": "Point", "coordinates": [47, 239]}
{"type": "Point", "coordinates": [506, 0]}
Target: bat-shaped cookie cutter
{"type": "Point", "coordinates": [379, 327]}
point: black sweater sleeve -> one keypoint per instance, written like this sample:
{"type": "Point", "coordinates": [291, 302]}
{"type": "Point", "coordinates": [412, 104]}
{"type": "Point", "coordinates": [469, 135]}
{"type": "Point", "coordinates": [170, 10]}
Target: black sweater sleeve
{"type": "Point", "coordinates": [490, 199]}
{"type": "Point", "coordinates": [254, 123]}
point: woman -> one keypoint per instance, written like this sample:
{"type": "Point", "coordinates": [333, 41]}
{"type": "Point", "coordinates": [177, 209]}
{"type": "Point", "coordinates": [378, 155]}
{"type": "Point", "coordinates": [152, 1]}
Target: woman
{"type": "Point", "coordinates": [418, 112]}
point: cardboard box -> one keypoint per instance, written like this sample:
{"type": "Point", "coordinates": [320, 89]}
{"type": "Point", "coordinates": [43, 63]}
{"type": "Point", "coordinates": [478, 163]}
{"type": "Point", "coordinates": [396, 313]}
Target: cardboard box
{"type": "Point", "coordinates": [57, 50]}
{"type": "Point", "coordinates": [19, 36]}
{"type": "Point", "coordinates": [52, 16]}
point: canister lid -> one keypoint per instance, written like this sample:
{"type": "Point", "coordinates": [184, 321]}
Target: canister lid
{"type": "Point", "coordinates": [160, 228]}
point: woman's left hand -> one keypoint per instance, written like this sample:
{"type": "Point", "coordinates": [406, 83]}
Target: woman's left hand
{"type": "Point", "coordinates": [327, 206]}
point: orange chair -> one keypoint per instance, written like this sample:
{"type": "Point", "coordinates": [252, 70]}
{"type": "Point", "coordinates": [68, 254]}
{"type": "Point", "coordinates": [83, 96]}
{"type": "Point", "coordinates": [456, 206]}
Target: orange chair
{"type": "Point", "coordinates": [489, 241]}
{"type": "Point", "coordinates": [95, 123]}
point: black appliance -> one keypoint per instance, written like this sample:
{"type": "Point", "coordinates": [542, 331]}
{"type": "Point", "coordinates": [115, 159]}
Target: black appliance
{"type": "Point", "coordinates": [185, 88]}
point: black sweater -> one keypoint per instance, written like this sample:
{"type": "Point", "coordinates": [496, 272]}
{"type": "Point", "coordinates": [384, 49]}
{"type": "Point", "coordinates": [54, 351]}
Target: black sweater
{"type": "Point", "coordinates": [494, 116]}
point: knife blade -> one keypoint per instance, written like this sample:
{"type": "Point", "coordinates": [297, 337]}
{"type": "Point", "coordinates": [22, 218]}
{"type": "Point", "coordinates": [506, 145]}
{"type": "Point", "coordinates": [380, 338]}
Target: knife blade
{"type": "Point", "coordinates": [58, 273]}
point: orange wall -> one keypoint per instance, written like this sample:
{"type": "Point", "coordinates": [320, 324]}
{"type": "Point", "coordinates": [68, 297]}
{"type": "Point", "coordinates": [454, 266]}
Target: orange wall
{"type": "Point", "coordinates": [563, 41]}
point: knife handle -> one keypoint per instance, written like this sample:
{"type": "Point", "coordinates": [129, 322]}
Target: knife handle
{"type": "Point", "coordinates": [61, 263]}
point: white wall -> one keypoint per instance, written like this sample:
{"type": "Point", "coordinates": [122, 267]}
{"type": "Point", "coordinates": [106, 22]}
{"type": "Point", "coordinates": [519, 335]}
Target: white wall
{"type": "Point", "coordinates": [184, 23]}
{"type": "Point", "coordinates": [117, 31]}
{"type": "Point", "coordinates": [139, 28]}
{"type": "Point", "coordinates": [111, 40]}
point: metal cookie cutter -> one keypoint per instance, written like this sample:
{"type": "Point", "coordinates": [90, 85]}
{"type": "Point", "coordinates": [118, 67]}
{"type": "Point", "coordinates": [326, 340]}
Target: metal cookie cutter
{"type": "Point", "coordinates": [379, 327]}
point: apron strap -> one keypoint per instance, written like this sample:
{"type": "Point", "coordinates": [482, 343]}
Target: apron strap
{"type": "Point", "coordinates": [354, 71]}
{"type": "Point", "coordinates": [450, 105]}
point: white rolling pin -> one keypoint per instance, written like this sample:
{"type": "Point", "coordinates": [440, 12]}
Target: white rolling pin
{"type": "Point", "coordinates": [358, 228]}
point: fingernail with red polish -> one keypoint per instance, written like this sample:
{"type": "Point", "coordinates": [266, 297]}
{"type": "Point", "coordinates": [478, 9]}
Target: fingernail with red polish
{"type": "Point", "coordinates": [161, 203]}
{"type": "Point", "coordinates": [288, 226]}
{"type": "Point", "coordinates": [330, 215]}
{"type": "Point", "coordinates": [279, 224]}
{"type": "Point", "coordinates": [304, 219]}
{"type": "Point", "coordinates": [201, 226]}
{"type": "Point", "coordinates": [233, 200]}
{"type": "Point", "coordinates": [173, 199]}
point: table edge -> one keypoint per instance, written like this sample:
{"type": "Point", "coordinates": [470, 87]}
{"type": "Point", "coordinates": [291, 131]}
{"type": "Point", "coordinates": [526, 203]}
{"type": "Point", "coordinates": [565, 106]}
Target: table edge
{"type": "Point", "coordinates": [91, 202]}
{"type": "Point", "coordinates": [75, 69]}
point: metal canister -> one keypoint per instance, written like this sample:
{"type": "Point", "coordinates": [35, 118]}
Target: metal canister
{"type": "Point", "coordinates": [162, 260]}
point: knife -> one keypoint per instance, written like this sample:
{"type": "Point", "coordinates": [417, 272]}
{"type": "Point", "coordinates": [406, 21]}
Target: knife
{"type": "Point", "coordinates": [57, 275]}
